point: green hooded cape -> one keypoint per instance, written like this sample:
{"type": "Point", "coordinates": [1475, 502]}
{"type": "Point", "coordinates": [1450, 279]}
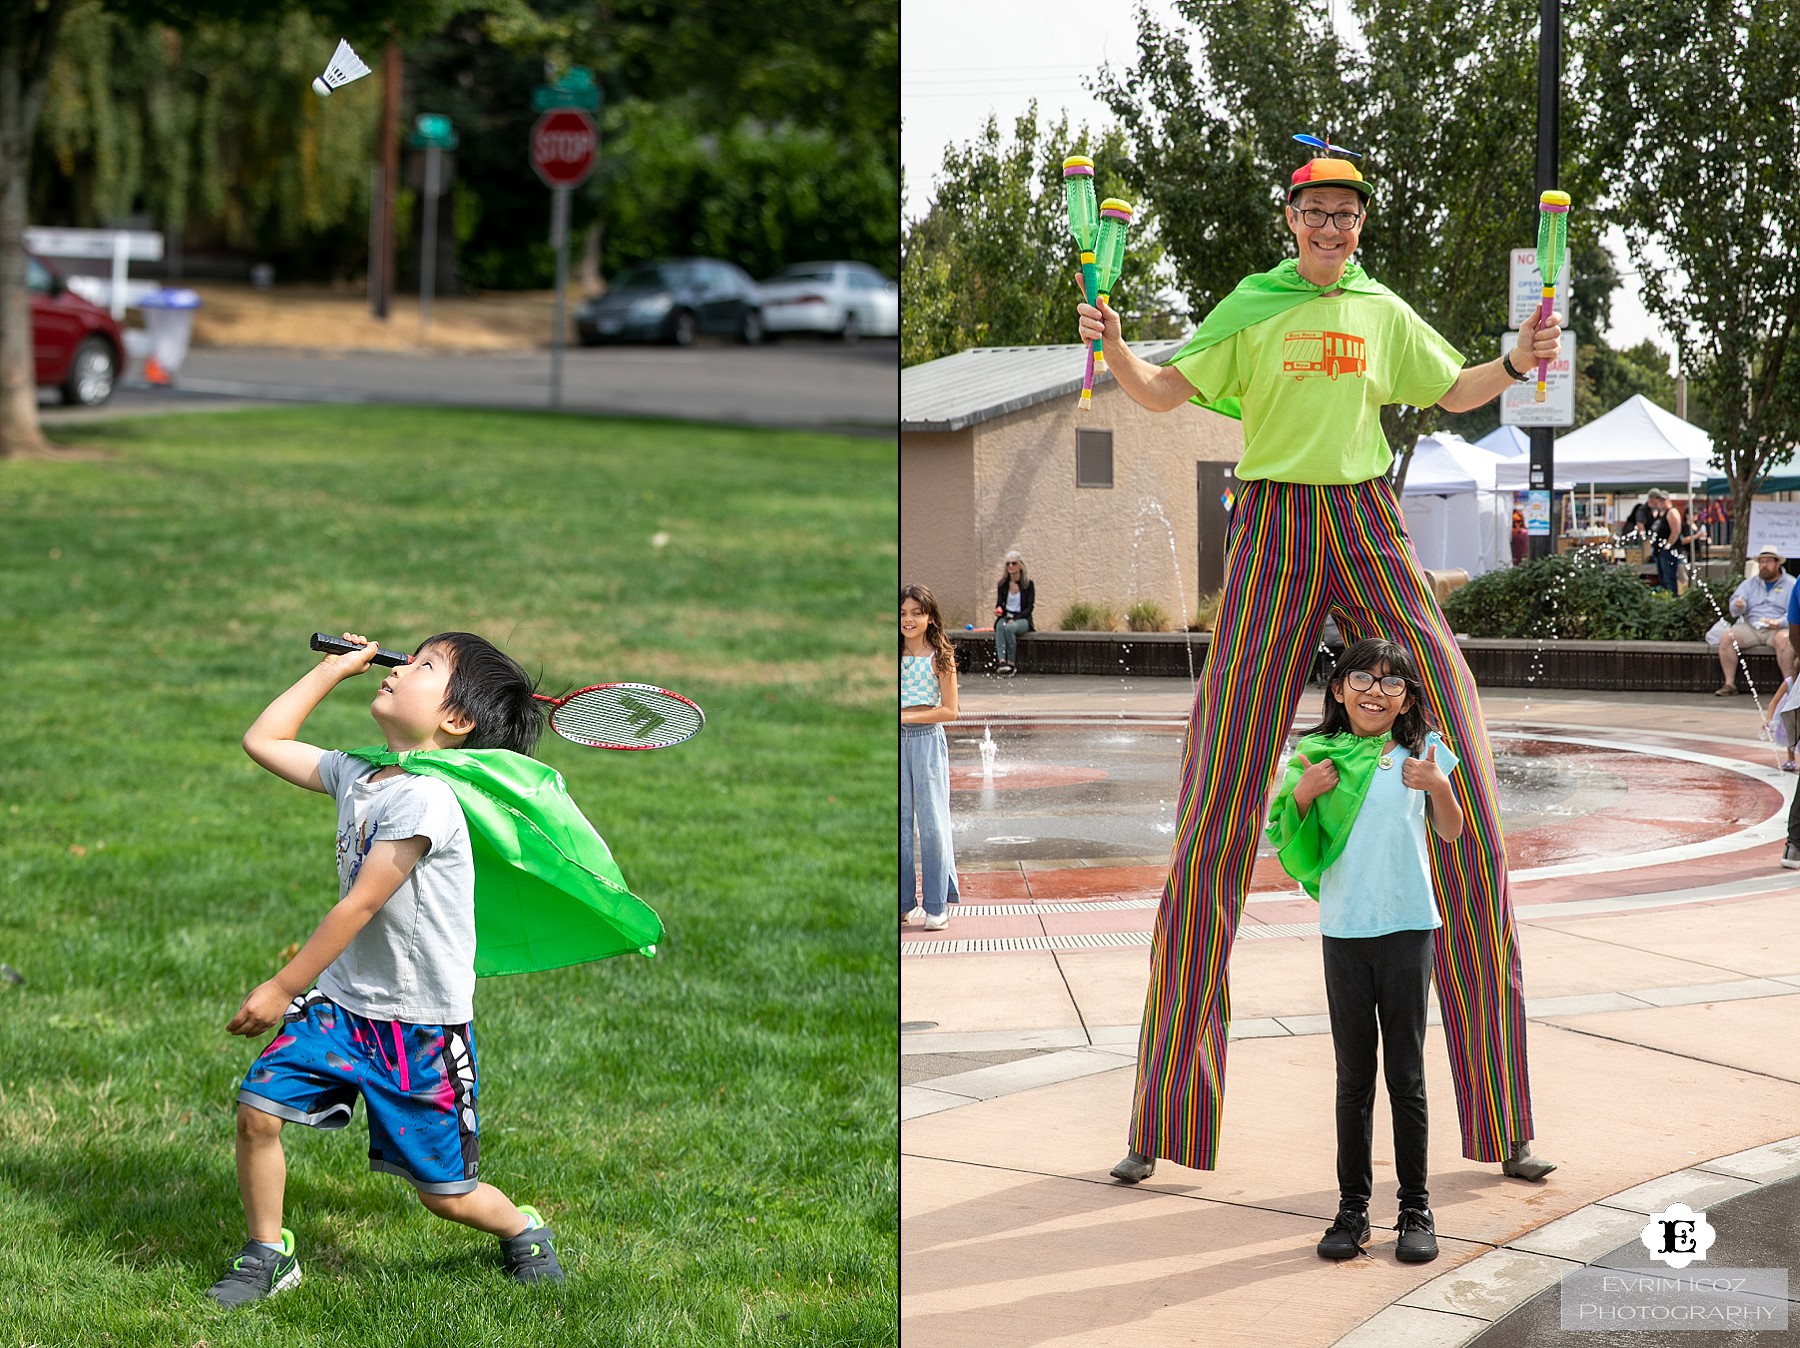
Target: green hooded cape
{"type": "Point", "coordinates": [1306, 847]}
{"type": "Point", "coordinates": [1261, 297]}
{"type": "Point", "coordinates": [547, 891]}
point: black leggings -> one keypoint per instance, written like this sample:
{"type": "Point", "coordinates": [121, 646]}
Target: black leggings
{"type": "Point", "coordinates": [1376, 990]}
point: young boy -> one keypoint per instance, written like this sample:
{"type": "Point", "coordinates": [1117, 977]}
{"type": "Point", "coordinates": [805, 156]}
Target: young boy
{"type": "Point", "coordinates": [378, 1002]}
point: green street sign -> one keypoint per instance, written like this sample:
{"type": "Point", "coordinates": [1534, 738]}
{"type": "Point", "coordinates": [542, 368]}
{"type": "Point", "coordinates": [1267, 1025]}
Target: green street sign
{"type": "Point", "coordinates": [432, 129]}
{"type": "Point", "coordinates": [574, 90]}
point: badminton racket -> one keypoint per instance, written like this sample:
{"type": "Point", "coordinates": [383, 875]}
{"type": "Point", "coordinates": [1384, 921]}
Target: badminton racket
{"type": "Point", "coordinates": [600, 716]}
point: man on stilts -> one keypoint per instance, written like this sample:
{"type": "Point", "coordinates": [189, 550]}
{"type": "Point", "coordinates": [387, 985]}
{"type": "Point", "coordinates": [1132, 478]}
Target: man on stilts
{"type": "Point", "coordinates": [1308, 354]}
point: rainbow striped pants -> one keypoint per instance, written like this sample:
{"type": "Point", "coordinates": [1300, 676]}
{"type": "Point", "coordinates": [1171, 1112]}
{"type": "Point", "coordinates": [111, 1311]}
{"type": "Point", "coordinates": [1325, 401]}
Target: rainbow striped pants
{"type": "Point", "coordinates": [1295, 553]}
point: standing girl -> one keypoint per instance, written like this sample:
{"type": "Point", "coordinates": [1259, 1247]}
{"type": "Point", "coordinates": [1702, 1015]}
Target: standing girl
{"type": "Point", "coordinates": [927, 704]}
{"type": "Point", "coordinates": [1349, 824]}
{"type": "Point", "coordinates": [1014, 597]}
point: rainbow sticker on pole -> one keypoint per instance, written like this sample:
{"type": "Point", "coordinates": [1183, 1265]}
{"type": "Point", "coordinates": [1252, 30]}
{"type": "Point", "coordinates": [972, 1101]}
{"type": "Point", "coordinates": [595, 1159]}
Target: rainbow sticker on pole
{"type": "Point", "coordinates": [1552, 251]}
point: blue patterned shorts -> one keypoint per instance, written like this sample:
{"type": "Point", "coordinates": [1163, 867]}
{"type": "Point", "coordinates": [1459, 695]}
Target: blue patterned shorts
{"type": "Point", "coordinates": [418, 1082]}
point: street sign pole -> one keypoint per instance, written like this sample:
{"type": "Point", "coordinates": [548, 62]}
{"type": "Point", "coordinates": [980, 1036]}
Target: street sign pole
{"type": "Point", "coordinates": [1549, 91]}
{"type": "Point", "coordinates": [433, 133]}
{"type": "Point", "coordinates": [559, 237]}
{"type": "Point", "coordinates": [563, 150]}
{"type": "Point", "coordinates": [428, 244]}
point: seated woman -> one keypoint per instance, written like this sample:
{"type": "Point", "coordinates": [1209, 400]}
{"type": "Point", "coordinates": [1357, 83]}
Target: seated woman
{"type": "Point", "coordinates": [1013, 600]}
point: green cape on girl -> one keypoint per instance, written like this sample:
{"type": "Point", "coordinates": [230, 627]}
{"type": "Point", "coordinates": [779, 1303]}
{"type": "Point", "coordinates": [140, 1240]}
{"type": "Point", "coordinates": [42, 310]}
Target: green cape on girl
{"type": "Point", "coordinates": [1306, 847]}
{"type": "Point", "coordinates": [547, 891]}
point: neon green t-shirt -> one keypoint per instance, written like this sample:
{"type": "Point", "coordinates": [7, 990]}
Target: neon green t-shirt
{"type": "Point", "coordinates": [1313, 381]}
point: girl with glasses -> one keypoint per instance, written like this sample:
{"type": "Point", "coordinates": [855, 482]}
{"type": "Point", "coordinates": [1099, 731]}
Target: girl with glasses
{"type": "Point", "coordinates": [1350, 824]}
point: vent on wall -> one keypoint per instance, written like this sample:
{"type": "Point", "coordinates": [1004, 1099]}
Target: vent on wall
{"type": "Point", "coordinates": [1093, 458]}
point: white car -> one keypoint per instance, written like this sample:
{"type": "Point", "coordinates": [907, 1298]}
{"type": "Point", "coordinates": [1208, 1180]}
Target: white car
{"type": "Point", "coordinates": [844, 299]}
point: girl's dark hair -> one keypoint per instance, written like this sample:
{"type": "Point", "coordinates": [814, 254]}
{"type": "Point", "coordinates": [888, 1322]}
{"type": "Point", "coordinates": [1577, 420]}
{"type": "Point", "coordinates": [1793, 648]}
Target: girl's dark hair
{"type": "Point", "coordinates": [490, 688]}
{"type": "Point", "coordinates": [1379, 658]}
{"type": "Point", "coordinates": [943, 655]}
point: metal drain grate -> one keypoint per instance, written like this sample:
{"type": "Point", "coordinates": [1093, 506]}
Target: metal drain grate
{"type": "Point", "coordinates": [1085, 941]}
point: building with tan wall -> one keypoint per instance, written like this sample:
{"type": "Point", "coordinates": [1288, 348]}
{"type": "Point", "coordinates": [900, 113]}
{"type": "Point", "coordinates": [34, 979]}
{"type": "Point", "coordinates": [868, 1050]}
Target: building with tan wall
{"type": "Point", "coordinates": [1112, 505]}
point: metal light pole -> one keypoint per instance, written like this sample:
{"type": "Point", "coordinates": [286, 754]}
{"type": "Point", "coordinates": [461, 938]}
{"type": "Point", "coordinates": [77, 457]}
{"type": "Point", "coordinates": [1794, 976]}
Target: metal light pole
{"type": "Point", "coordinates": [1549, 91]}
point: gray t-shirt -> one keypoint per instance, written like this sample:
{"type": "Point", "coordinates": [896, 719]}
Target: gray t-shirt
{"type": "Point", "coordinates": [415, 959]}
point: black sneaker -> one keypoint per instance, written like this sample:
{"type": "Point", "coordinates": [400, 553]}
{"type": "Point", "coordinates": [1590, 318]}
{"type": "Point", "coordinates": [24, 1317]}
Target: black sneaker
{"type": "Point", "coordinates": [1418, 1242]}
{"type": "Point", "coordinates": [1790, 857]}
{"type": "Point", "coordinates": [257, 1272]}
{"type": "Point", "coordinates": [1345, 1237]}
{"type": "Point", "coordinates": [529, 1256]}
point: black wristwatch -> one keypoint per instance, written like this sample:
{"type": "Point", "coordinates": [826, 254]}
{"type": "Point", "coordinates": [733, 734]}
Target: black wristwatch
{"type": "Point", "coordinates": [1506, 362]}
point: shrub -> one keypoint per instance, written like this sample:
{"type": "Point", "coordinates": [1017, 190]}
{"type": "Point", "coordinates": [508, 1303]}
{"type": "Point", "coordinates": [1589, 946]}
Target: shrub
{"type": "Point", "coordinates": [1208, 611]}
{"type": "Point", "coordinates": [1086, 615]}
{"type": "Point", "coordinates": [1146, 615]}
{"type": "Point", "coordinates": [1577, 595]}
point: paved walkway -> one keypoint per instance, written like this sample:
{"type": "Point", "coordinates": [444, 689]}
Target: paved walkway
{"type": "Point", "coordinates": [1661, 949]}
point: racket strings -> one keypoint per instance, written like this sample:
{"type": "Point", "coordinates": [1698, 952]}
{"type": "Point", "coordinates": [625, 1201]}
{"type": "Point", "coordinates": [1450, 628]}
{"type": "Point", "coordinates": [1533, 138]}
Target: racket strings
{"type": "Point", "coordinates": [615, 718]}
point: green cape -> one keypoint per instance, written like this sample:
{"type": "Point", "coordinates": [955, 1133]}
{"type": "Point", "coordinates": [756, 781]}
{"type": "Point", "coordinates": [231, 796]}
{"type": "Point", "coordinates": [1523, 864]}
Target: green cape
{"type": "Point", "coordinates": [547, 891]}
{"type": "Point", "coordinates": [1308, 846]}
{"type": "Point", "coordinates": [1261, 297]}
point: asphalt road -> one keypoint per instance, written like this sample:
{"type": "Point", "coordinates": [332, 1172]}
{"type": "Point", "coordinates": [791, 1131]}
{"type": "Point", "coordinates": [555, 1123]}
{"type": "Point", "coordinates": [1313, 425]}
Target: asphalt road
{"type": "Point", "coordinates": [813, 384]}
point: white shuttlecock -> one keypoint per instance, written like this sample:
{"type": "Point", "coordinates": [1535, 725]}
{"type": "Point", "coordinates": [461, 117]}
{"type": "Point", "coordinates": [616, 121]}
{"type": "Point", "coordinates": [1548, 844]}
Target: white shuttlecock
{"type": "Point", "coordinates": [345, 66]}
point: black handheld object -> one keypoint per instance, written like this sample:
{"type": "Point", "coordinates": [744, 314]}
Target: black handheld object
{"type": "Point", "coordinates": [324, 641]}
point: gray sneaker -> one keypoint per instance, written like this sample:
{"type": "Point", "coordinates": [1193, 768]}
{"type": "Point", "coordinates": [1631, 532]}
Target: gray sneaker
{"type": "Point", "coordinates": [257, 1272]}
{"type": "Point", "coordinates": [1790, 857]}
{"type": "Point", "coordinates": [529, 1257]}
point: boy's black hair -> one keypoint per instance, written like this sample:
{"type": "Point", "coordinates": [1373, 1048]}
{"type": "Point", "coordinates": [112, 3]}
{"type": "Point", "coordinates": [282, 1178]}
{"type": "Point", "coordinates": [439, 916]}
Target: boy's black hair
{"type": "Point", "coordinates": [1378, 657]}
{"type": "Point", "coordinates": [493, 690]}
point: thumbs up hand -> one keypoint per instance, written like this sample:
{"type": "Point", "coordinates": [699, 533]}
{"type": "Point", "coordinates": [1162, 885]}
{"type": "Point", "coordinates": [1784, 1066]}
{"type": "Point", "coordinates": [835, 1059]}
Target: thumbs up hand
{"type": "Point", "coordinates": [1315, 780]}
{"type": "Point", "coordinates": [1423, 774]}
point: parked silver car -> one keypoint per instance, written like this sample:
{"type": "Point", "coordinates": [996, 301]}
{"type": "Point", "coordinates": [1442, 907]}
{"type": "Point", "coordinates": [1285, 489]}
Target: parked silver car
{"type": "Point", "coordinates": [844, 299]}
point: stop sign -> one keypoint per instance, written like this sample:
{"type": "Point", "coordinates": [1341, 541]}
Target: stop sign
{"type": "Point", "coordinates": [563, 141]}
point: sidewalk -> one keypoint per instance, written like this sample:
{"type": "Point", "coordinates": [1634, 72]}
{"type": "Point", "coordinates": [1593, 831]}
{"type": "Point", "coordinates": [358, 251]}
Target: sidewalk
{"type": "Point", "coordinates": [1662, 972]}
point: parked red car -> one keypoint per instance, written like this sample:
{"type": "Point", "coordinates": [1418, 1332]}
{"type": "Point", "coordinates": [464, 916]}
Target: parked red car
{"type": "Point", "coordinates": [78, 346]}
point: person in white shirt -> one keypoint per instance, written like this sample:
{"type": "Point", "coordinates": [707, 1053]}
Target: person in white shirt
{"type": "Point", "coordinates": [1759, 609]}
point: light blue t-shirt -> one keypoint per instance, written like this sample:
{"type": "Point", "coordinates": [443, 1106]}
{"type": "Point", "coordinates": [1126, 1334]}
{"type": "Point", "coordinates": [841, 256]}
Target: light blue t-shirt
{"type": "Point", "coordinates": [1381, 881]}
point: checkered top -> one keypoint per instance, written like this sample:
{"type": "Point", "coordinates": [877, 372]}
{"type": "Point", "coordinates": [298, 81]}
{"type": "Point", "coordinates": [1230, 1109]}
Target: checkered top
{"type": "Point", "coordinates": [918, 682]}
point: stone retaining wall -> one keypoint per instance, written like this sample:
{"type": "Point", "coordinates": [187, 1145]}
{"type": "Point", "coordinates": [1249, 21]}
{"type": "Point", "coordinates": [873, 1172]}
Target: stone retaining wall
{"type": "Point", "coordinates": [1634, 666]}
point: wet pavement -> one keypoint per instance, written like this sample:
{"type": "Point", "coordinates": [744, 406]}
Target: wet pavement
{"type": "Point", "coordinates": [1661, 950]}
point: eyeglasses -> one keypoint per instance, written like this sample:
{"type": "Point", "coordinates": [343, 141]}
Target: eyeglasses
{"type": "Point", "coordinates": [1361, 680]}
{"type": "Point", "coordinates": [1315, 219]}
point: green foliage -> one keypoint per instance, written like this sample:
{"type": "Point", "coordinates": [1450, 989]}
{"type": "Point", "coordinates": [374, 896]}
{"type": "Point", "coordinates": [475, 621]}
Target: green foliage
{"type": "Point", "coordinates": [1089, 615]}
{"type": "Point", "coordinates": [1206, 612]}
{"type": "Point", "coordinates": [1146, 615]}
{"type": "Point", "coordinates": [991, 263]}
{"type": "Point", "coordinates": [710, 1132]}
{"type": "Point", "coordinates": [760, 194]}
{"type": "Point", "coordinates": [1712, 192]}
{"type": "Point", "coordinates": [1578, 595]}
{"type": "Point", "coordinates": [215, 133]}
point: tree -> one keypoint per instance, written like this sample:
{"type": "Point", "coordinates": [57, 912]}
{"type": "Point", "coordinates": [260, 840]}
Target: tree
{"type": "Point", "coordinates": [1441, 100]}
{"type": "Point", "coordinates": [991, 263]}
{"type": "Point", "coordinates": [29, 32]}
{"type": "Point", "coordinates": [1702, 102]}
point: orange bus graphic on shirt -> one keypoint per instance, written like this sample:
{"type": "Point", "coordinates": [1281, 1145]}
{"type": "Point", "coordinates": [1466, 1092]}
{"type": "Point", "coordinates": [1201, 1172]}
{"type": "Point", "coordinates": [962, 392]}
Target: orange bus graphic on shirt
{"type": "Point", "coordinates": [1326, 353]}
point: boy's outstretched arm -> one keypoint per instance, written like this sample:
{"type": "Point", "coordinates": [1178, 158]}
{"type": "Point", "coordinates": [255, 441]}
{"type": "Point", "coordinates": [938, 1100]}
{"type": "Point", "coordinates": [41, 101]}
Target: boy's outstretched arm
{"type": "Point", "coordinates": [270, 738]}
{"type": "Point", "coordinates": [384, 870]}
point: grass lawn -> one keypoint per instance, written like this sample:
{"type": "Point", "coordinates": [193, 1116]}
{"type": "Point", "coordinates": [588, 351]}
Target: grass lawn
{"type": "Point", "coordinates": [712, 1132]}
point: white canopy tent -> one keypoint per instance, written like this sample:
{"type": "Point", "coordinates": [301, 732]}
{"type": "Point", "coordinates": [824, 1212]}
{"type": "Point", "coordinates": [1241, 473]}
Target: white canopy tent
{"type": "Point", "coordinates": [1635, 444]}
{"type": "Point", "coordinates": [1456, 518]}
{"type": "Point", "coordinates": [1506, 441]}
